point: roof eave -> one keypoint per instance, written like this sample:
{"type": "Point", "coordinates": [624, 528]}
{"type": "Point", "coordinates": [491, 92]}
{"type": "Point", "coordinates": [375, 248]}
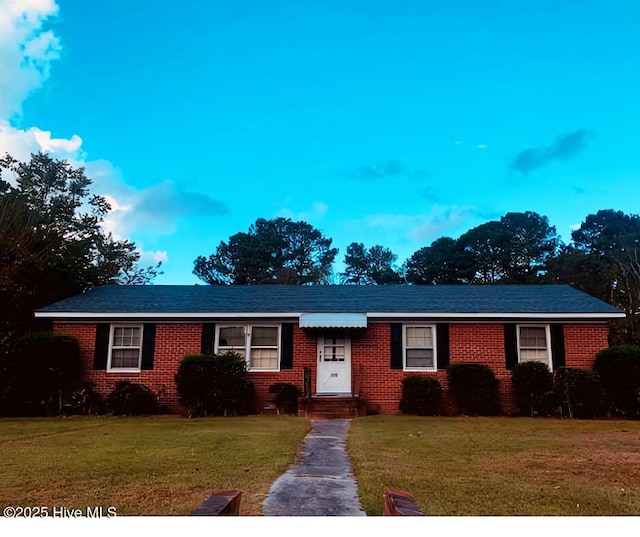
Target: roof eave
{"type": "Point", "coordinates": [77, 315]}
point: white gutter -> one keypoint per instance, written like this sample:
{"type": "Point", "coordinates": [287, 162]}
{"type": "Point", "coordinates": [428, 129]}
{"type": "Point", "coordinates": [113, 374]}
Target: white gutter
{"type": "Point", "coordinates": [271, 315]}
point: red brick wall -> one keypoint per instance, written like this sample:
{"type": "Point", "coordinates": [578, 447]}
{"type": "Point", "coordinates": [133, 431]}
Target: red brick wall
{"type": "Point", "coordinates": [483, 343]}
{"type": "Point", "coordinates": [173, 342]}
{"type": "Point", "coordinates": [379, 385]}
{"type": "Point", "coordinates": [583, 341]}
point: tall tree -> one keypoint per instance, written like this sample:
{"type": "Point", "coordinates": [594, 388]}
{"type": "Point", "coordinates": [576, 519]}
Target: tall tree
{"type": "Point", "coordinates": [277, 251]}
{"type": "Point", "coordinates": [604, 261]}
{"type": "Point", "coordinates": [370, 266]}
{"type": "Point", "coordinates": [513, 249]}
{"type": "Point", "coordinates": [441, 263]}
{"type": "Point", "coordinates": [485, 248]}
{"type": "Point", "coordinates": [531, 242]}
{"type": "Point", "coordinates": [52, 244]}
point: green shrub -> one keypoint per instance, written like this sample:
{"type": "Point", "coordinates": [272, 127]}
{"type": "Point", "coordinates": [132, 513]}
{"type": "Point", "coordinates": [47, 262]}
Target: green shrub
{"type": "Point", "coordinates": [215, 385]}
{"type": "Point", "coordinates": [131, 399]}
{"type": "Point", "coordinates": [619, 370]}
{"type": "Point", "coordinates": [533, 386]}
{"type": "Point", "coordinates": [286, 397]}
{"type": "Point", "coordinates": [37, 374]}
{"type": "Point", "coordinates": [475, 389]}
{"type": "Point", "coordinates": [578, 393]}
{"type": "Point", "coordinates": [421, 395]}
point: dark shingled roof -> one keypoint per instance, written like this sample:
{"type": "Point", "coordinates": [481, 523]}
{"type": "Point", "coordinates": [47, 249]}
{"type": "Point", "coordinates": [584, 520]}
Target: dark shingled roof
{"type": "Point", "coordinates": [291, 299]}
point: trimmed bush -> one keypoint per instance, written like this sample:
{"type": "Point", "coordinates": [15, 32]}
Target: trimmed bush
{"type": "Point", "coordinates": [533, 386]}
{"type": "Point", "coordinates": [286, 397]}
{"type": "Point", "coordinates": [578, 393]}
{"type": "Point", "coordinates": [37, 374]}
{"type": "Point", "coordinates": [619, 370]}
{"type": "Point", "coordinates": [131, 399]}
{"type": "Point", "coordinates": [475, 389]}
{"type": "Point", "coordinates": [215, 385]}
{"type": "Point", "coordinates": [421, 395]}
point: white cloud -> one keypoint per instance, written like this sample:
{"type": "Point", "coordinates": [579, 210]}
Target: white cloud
{"type": "Point", "coordinates": [27, 50]}
{"type": "Point", "coordinates": [21, 143]}
{"type": "Point", "coordinates": [57, 145]}
{"type": "Point", "coordinates": [439, 220]}
{"type": "Point", "coordinates": [156, 209]}
{"type": "Point", "coordinates": [149, 257]}
{"type": "Point", "coordinates": [317, 211]}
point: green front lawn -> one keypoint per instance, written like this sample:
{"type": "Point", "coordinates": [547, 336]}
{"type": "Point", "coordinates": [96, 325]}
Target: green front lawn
{"type": "Point", "coordinates": [161, 465]}
{"type": "Point", "coordinates": [165, 465]}
{"type": "Point", "coordinates": [499, 466]}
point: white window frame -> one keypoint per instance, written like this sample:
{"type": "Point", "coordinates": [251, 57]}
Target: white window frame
{"type": "Point", "coordinates": [112, 331]}
{"type": "Point", "coordinates": [547, 332]}
{"type": "Point", "coordinates": [404, 347]}
{"type": "Point", "coordinates": [248, 330]}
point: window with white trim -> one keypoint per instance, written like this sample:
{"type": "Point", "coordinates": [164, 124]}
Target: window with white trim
{"type": "Point", "coordinates": [258, 344]}
{"type": "Point", "coordinates": [125, 348]}
{"type": "Point", "coordinates": [419, 347]}
{"type": "Point", "coordinates": [534, 344]}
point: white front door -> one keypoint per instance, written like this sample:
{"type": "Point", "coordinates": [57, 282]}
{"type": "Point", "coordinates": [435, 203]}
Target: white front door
{"type": "Point", "coordinates": [334, 362]}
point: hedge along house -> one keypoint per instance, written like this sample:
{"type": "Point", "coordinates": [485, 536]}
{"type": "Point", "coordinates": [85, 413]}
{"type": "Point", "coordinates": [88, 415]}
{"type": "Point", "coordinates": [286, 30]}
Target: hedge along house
{"type": "Point", "coordinates": [345, 347]}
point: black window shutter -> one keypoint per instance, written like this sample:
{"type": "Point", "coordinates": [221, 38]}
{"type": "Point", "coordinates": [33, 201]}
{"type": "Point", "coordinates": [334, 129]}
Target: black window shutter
{"type": "Point", "coordinates": [442, 339]}
{"type": "Point", "coordinates": [396, 346]}
{"type": "Point", "coordinates": [510, 345]}
{"type": "Point", "coordinates": [148, 345]}
{"type": "Point", "coordinates": [286, 349]}
{"type": "Point", "coordinates": [207, 340]}
{"type": "Point", "coordinates": [557, 346]}
{"type": "Point", "coordinates": [101, 348]}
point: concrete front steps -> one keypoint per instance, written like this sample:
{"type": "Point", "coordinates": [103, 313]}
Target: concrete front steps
{"type": "Point", "coordinates": [331, 407]}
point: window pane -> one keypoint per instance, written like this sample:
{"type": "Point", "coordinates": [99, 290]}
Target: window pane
{"type": "Point", "coordinates": [126, 336]}
{"type": "Point", "coordinates": [533, 337]}
{"type": "Point", "coordinates": [117, 336]}
{"type": "Point", "coordinates": [419, 357]}
{"type": "Point", "coordinates": [419, 337]}
{"type": "Point", "coordinates": [135, 337]}
{"type": "Point", "coordinates": [129, 358]}
{"type": "Point", "coordinates": [264, 359]}
{"type": "Point", "coordinates": [334, 353]}
{"type": "Point", "coordinates": [264, 336]}
{"type": "Point", "coordinates": [232, 336]}
{"type": "Point", "coordinates": [534, 355]}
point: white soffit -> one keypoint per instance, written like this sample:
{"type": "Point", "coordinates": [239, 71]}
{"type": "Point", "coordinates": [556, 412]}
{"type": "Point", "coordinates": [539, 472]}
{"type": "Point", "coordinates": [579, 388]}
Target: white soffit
{"type": "Point", "coordinates": [333, 320]}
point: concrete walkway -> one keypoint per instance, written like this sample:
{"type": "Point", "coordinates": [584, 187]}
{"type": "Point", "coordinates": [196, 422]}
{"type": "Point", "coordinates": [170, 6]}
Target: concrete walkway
{"type": "Point", "coordinates": [321, 484]}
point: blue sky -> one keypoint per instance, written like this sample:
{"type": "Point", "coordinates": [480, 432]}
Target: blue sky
{"type": "Point", "coordinates": [390, 123]}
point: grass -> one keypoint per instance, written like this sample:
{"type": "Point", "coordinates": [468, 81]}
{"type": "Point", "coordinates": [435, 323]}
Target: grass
{"type": "Point", "coordinates": [499, 466]}
{"type": "Point", "coordinates": [162, 465]}
{"type": "Point", "coordinates": [166, 465]}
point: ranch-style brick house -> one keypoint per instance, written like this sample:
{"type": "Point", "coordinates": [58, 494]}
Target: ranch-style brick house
{"type": "Point", "coordinates": [346, 347]}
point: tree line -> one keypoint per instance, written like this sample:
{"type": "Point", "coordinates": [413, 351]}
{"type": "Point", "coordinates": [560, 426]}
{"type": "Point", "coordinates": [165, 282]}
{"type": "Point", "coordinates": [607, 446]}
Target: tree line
{"type": "Point", "coordinates": [53, 245]}
{"type": "Point", "coordinates": [602, 259]}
